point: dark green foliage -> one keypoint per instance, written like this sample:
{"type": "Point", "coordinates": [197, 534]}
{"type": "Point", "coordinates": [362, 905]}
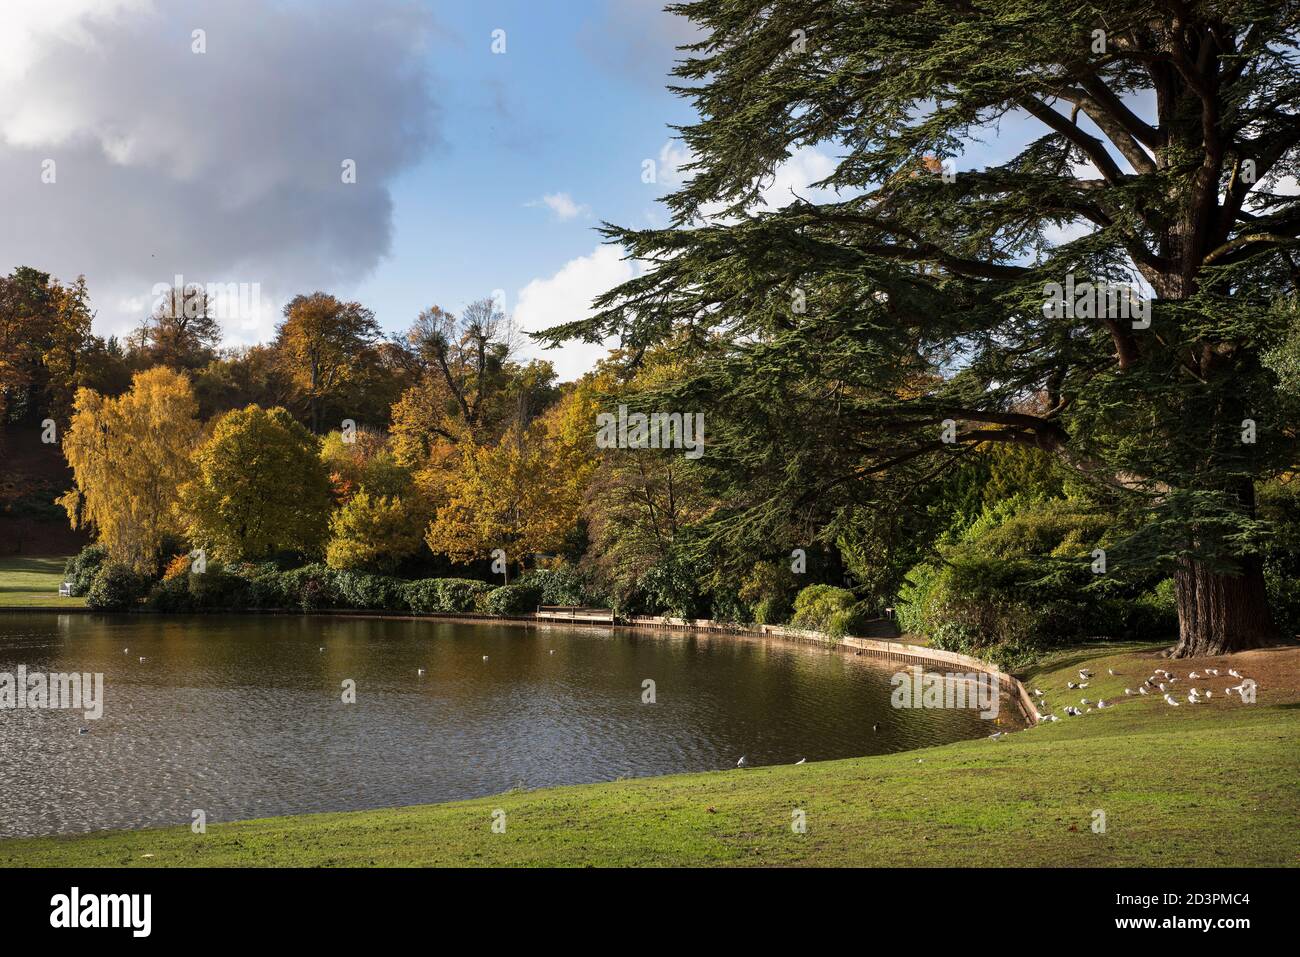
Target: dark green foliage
{"type": "Point", "coordinates": [833, 611]}
{"type": "Point", "coordinates": [366, 591]}
{"type": "Point", "coordinates": [311, 587]}
{"type": "Point", "coordinates": [558, 586]}
{"type": "Point", "coordinates": [1021, 579]}
{"type": "Point", "coordinates": [81, 568]}
{"type": "Point", "coordinates": [115, 588]}
{"type": "Point", "coordinates": [448, 595]}
{"type": "Point", "coordinates": [512, 599]}
{"type": "Point", "coordinates": [670, 587]}
{"type": "Point", "coordinates": [769, 591]}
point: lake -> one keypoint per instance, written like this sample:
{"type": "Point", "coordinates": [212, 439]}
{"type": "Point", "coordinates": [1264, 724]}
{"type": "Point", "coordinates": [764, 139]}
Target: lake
{"type": "Point", "coordinates": [242, 716]}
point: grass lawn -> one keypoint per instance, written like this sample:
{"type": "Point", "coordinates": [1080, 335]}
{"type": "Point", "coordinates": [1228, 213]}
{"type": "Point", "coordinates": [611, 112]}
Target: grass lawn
{"type": "Point", "coordinates": [1211, 784]}
{"type": "Point", "coordinates": [33, 581]}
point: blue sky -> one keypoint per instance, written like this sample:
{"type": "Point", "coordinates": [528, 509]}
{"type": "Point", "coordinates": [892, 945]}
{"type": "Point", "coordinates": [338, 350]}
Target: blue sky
{"type": "Point", "coordinates": [556, 114]}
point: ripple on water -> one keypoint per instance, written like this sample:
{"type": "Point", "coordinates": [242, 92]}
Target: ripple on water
{"type": "Point", "coordinates": [242, 717]}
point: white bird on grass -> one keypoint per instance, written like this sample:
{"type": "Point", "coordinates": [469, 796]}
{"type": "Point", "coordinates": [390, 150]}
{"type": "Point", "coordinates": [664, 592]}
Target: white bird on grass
{"type": "Point", "coordinates": [1085, 673]}
{"type": "Point", "coordinates": [1112, 671]}
{"type": "Point", "coordinates": [1071, 685]}
{"type": "Point", "coordinates": [742, 762]}
{"type": "Point", "coordinates": [1085, 702]}
{"type": "Point", "coordinates": [1193, 676]}
{"type": "Point", "coordinates": [1102, 704]}
{"type": "Point", "coordinates": [1037, 693]}
{"type": "Point", "coordinates": [1233, 672]}
{"type": "Point", "coordinates": [801, 761]}
{"type": "Point", "coordinates": [1212, 671]}
{"type": "Point", "coordinates": [1169, 699]}
{"type": "Point", "coordinates": [1142, 689]}
{"type": "Point", "coordinates": [1128, 690]}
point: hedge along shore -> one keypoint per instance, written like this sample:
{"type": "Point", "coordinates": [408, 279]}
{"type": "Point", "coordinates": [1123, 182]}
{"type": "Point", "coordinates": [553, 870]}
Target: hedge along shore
{"type": "Point", "coordinates": [871, 647]}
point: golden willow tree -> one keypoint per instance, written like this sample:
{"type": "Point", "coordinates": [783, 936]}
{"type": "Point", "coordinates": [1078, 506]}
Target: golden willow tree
{"type": "Point", "coordinates": [848, 348]}
{"type": "Point", "coordinates": [129, 456]}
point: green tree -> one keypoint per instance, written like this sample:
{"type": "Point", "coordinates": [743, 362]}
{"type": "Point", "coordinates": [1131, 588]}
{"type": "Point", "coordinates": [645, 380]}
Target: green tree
{"type": "Point", "coordinates": [909, 317]}
{"type": "Point", "coordinates": [258, 487]}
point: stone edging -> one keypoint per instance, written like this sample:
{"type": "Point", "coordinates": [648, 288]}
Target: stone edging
{"type": "Point", "coordinates": [876, 647]}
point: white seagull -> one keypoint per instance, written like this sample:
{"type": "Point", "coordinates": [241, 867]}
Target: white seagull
{"type": "Point", "coordinates": [1142, 689]}
{"type": "Point", "coordinates": [1193, 676]}
{"type": "Point", "coordinates": [1169, 699]}
{"type": "Point", "coordinates": [1102, 704]}
{"type": "Point", "coordinates": [801, 761]}
{"type": "Point", "coordinates": [1128, 690]}
{"type": "Point", "coordinates": [1233, 672]}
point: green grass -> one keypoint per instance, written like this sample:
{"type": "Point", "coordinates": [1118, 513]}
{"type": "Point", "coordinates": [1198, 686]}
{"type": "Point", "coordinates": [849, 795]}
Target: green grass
{"type": "Point", "coordinates": [1213, 784]}
{"type": "Point", "coordinates": [30, 582]}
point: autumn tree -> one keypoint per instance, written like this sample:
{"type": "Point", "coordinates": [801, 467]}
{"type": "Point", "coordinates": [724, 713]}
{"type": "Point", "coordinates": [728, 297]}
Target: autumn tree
{"type": "Point", "coordinates": [129, 457]}
{"type": "Point", "coordinates": [324, 347]}
{"type": "Point", "coordinates": [373, 532]}
{"type": "Point", "coordinates": [524, 493]}
{"type": "Point", "coordinates": [1148, 181]}
{"type": "Point", "coordinates": [257, 487]}
{"type": "Point", "coordinates": [181, 330]}
{"type": "Point", "coordinates": [44, 328]}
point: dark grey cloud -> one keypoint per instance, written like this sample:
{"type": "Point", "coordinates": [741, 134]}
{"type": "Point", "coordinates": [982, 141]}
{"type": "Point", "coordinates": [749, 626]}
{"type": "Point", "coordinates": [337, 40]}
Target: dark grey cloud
{"type": "Point", "coordinates": [224, 166]}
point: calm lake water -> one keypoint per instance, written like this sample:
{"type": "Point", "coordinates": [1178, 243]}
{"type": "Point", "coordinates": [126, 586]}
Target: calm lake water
{"type": "Point", "coordinates": [242, 716]}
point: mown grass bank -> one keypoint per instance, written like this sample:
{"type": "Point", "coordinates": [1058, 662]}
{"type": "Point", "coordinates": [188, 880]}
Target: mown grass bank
{"type": "Point", "coordinates": [1211, 784]}
{"type": "Point", "coordinates": [33, 583]}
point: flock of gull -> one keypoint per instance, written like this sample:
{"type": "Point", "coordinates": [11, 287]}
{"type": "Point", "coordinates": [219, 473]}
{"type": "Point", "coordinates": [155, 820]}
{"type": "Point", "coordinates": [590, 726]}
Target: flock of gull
{"type": "Point", "coordinates": [1161, 681]}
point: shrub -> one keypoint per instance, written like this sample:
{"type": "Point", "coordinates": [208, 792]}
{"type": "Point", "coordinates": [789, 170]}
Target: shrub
{"type": "Point", "coordinates": [361, 590]}
{"type": "Point", "coordinates": [115, 588]}
{"type": "Point", "coordinates": [670, 587]}
{"type": "Point", "coordinates": [828, 609]}
{"type": "Point", "coordinates": [310, 587]}
{"type": "Point", "coordinates": [449, 595]}
{"type": "Point", "coordinates": [518, 598]}
{"type": "Point", "coordinates": [80, 569]}
{"type": "Point", "coordinates": [561, 585]}
{"type": "Point", "coordinates": [171, 595]}
{"type": "Point", "coordinates": [768, 589]}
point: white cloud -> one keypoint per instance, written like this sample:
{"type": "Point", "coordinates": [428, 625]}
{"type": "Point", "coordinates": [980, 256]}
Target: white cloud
{"type": "Point", "coordinates": [562, 205]}
{"type": "Point", "coordinates": [224, 166]}
{"type": "Point", "coordinates": [566, 297]}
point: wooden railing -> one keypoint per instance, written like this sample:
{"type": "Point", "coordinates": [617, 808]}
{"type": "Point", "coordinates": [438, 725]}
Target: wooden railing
{"type": "Point", "coordinates": [575, 613]}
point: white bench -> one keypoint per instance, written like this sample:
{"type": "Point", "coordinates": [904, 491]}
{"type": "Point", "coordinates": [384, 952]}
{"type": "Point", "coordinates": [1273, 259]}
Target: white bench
{"type": "Point", "coordinates": [65, 590]}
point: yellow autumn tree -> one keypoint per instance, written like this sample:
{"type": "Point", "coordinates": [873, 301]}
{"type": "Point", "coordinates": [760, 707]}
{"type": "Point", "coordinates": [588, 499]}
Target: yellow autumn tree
{"type": "Point", "coordinates": [523, 494]}
{"type": "Point", "coordinates": [129, 456]}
